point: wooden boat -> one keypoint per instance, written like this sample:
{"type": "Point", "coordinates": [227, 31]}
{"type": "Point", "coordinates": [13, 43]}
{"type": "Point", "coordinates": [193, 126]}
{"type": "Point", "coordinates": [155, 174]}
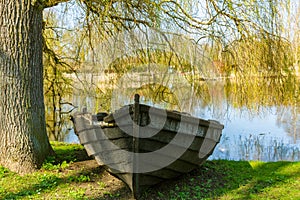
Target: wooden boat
{"type": "Point", "coordinates": [143, 145]}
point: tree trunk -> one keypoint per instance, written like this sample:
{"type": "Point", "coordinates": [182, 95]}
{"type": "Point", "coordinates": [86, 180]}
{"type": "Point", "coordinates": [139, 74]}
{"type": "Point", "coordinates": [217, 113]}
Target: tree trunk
{"type": "Point", "coordinates": [23, 140]}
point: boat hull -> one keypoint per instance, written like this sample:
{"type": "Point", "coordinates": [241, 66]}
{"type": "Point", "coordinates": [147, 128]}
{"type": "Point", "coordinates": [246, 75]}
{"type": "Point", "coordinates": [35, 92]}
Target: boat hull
{"type": "Point", "coordinates": [168, 143]}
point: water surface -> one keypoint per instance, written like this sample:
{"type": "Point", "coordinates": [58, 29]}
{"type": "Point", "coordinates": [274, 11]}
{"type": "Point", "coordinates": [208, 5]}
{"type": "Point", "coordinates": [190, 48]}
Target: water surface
{"type": "Point", "coordinates": [261, 119]}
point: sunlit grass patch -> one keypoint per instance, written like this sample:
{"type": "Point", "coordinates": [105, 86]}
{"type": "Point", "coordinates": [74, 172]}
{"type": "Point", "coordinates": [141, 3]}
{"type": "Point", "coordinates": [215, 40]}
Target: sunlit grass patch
{"type": "Point", "coordinates": [270, 180]}
{"type": "Point", "coordinates": [236, 180]}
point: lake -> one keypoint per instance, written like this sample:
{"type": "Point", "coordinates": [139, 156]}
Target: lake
{"type": "Point", "coordinates": [261, 115]}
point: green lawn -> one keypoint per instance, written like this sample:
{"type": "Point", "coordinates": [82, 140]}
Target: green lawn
{"type": "Point", "coordinates": [71, 175]}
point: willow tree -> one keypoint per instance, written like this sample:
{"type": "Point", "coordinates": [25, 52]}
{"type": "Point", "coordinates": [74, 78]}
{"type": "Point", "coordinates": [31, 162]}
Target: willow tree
{"type": "Point", "coordinates": [23, 139]}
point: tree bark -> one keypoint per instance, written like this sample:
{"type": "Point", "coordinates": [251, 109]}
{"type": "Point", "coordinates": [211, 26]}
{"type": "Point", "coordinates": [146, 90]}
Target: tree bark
{"type": "Point", "coordinates": [23, 139]}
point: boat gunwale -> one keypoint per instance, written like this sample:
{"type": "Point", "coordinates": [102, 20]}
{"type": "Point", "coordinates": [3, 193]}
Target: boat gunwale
{"type": "Point", "coordinates": [171, 114]}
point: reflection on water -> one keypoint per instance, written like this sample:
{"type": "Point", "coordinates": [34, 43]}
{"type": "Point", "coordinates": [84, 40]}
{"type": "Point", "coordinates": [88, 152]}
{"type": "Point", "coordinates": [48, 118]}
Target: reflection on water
{"type": "Point", "coordinates": [257, 137]}
{"type": "Point", "coordinates": [262, 119]}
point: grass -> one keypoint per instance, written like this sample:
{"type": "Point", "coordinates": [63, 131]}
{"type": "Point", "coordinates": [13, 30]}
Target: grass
{"type": "Point", "coordinates": [238, 180]}
{"type": "Point", "coordinates": [71, 175]}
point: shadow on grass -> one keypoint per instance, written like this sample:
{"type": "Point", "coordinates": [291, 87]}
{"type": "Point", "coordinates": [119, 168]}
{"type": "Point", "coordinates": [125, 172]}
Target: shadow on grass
{"type": "Point", "coordinates": [266, 176]}
{"type": "Point", "coordinates": [69, 174]}
{"type": "Point", "coordinates": [56, 173]}
{"type": "Point", "coordinates": [218, 178]}
{"type": "Point", "coordinates": [74, 185]}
